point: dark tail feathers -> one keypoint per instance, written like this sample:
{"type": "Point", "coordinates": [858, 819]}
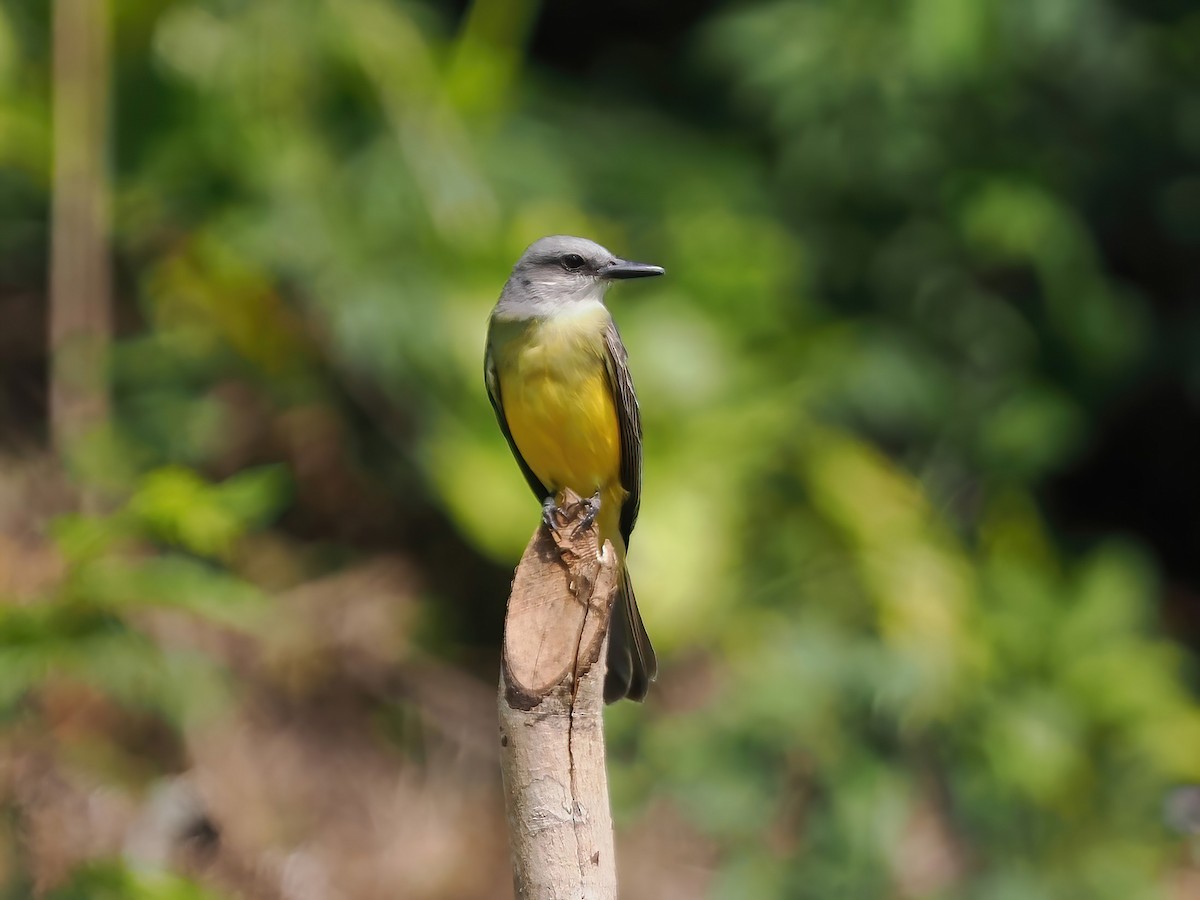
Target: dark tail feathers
{"type": "Point", "coordinates": [632, 664]}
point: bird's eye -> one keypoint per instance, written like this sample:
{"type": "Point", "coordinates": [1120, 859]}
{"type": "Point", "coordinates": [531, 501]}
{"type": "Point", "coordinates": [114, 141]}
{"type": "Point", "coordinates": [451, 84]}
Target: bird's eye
{"type": "Point", "coordinates": [572, 262]}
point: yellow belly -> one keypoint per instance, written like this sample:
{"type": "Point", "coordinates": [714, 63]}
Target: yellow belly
{"type": "Point", "coordinates": [560, 410]}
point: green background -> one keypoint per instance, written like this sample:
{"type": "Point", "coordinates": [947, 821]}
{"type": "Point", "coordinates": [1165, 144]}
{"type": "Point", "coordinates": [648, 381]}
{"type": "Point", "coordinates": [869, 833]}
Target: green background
{"type": "Point", "coordinates": [919, 532]}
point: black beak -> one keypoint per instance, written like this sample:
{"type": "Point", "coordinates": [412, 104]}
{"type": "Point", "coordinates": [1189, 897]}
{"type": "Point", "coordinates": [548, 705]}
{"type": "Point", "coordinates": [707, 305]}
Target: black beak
{"type": "Point", "coordinates": [620, 268]}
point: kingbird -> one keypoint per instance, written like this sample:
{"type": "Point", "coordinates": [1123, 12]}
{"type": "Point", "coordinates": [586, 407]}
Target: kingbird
{"type": "Point", "coordinates": [558, 378]}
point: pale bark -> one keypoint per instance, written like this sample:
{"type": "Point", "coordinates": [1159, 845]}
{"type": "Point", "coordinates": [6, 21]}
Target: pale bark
{"type": "Point", "coordinates": [552, 715]}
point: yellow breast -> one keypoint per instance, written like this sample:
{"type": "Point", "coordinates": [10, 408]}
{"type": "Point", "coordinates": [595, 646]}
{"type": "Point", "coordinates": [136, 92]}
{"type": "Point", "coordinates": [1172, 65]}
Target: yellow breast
{"type": "Point", "coordinates": [558, 402]}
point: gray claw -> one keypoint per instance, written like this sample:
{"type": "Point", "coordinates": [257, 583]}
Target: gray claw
{"type": "Point", "coordinates": [593, 509]}
{"type": "Point", "coordinates": [549, 508]}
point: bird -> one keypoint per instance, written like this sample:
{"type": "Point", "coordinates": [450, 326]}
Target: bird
{"type": "Point", "coordinates": [557, 375]}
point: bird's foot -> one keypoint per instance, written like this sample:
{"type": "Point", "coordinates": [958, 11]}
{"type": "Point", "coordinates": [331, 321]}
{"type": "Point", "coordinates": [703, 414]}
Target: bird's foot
{"type": "Point", "coordinates": [553, 514]}
{"type": "Point", "coordinates": [550, 512]}
{"type": "Point", "coordinates": [592, 509]}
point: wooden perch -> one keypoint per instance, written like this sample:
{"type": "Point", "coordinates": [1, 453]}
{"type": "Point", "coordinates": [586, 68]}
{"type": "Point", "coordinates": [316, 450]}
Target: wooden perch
{"type": "Point", "coordinates": [551, 713]}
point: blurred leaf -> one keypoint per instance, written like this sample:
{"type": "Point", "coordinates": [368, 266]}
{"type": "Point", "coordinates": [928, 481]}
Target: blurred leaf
{"type": "Point", "coordinates": [177, 506]}
{"type": "Point", "coordinates": [114, 881]}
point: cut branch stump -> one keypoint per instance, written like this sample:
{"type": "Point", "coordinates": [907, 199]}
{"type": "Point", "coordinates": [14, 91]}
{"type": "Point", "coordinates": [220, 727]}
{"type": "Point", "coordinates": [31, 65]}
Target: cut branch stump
{"type": "Point", "coordinates": [551, 703]}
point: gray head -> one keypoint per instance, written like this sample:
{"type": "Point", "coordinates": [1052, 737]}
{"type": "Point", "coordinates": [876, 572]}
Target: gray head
{"type": "Point", "coordinates": [563, 269]}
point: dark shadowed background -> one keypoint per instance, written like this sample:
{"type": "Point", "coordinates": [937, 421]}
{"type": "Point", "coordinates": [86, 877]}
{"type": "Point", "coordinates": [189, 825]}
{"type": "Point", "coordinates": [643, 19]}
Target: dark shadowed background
{"type": "Point", "coordinates": [920, 532]}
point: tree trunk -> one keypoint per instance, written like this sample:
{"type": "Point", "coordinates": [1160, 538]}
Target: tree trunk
{"type": "Point", "coordinates": [80, 291]}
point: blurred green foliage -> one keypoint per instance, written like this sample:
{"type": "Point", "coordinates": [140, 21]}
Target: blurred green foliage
{"type": "Point", "coordinates": [90, 628]}
{"type": "Point", "coordinates": [111, 882]}
{"type": "Point", "coordinates": [887, 321]}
